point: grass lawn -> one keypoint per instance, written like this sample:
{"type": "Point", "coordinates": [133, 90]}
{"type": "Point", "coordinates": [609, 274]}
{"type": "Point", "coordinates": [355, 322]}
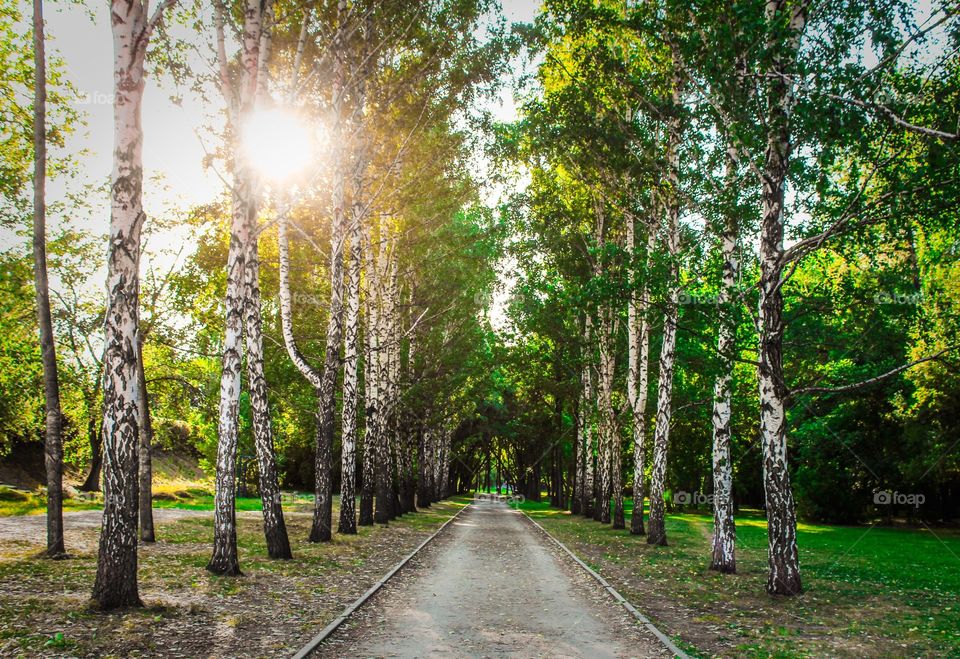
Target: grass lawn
{"type": "Point", "coordinates": [19, 502]}
{"type": "Point", "coordinates": [271, 610]}
{"type": "Point", "coordinates": [869, 590]}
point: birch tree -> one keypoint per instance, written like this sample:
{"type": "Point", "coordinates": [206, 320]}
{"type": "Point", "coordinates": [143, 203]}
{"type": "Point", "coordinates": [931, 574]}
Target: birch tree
{"type": "Point", "coordinates": [638, 367]}
{"type": "Point", "coordinates": [656, 530]}
{"type": "Point", "coordinates": [242, 307]}
{"type": "Point", "coordinates": [116, 580]}
{"type": "Point", "coordinates": [788, 18]}
{"type": "Point", "coordinates": [723, 557]}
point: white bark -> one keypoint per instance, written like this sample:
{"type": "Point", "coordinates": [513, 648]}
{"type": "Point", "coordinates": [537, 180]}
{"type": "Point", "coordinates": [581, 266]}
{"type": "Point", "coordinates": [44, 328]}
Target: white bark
{"type": "Point", "coordinates": [784, 573]}
{"type": "Point", "coordinates": [656, 531]}
{"type": "Point", "coordinates": [588, 503]}
{"type": "Point", "coordinates": [116, 580]}
{"type": "Point", "coordinates": [224, 560]}
{"type": "Point", "coordinates": [638, 348]}
{"type": "Point", "coordinates": [724, 531]}
{"type": "Point", "coordinates": [611, 485]}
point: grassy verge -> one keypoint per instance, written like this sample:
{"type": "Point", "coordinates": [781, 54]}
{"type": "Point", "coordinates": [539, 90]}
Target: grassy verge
{"type": "Point", "coordinates": [184, 497]}
{"type": "Point", "coordinates": [270, 611]}
{"type": "Point", "coordinates": [870, 590]}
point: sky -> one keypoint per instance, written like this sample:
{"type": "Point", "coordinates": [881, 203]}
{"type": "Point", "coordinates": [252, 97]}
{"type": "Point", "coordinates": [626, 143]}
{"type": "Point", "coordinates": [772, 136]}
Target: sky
{"type": "Point", "coordinates": [172, 147]}
{"type": "Point", "coordinates": [173, 150]}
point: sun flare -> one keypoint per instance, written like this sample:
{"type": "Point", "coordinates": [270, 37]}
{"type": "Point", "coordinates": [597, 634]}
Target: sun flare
{"type": "Point", "coordinates": [277, 143]}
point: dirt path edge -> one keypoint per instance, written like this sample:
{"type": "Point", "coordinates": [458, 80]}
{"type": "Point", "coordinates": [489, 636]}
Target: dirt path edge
{"type": "Point", "coordinates": [645, 621]}
{"type": "Point", "coordinates": [315, 642]}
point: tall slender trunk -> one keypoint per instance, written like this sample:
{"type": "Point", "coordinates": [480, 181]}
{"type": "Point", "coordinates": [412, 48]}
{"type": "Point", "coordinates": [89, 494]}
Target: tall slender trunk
{"type": "Point", "coordinates": [146, 463]}
{"type": "Point", "coordinates": [578, 457]}
{"type": "Point", "coordinates": [321, 530]}
{"type": "Point", "coordinates": [376, 454]}
{"type": "Point", "coordinates": [95, 437]}
{"type": "Point", "coordinates": [274, 526]}
{"type": "Point", "coordinates": [613, 477]}
{"type": "Point", "coordinates": [53, 442]}
{"type": "Point", "coordinates": [638, 349]}
{"type": "Point", "coordinates": [224, 559]}
{"type": "Point", "coordinates": [323, 511]}
{"type": "Point", "coordinates": [116, 581]}
{"type": "Point", "coordinates": [587, 504]}
{"type": "Point", "coordinates": [723, 558]}
{"type": "Point", "coordinates": [391, 340]}
{"type": "Point", "coordinates": [351, 366]}
{"type": "Point", "coordinates": [656, 530]}
{"type": "Point", "coordinates": [311, 374]}
{"type": "Point", "coordinates": [371, 435]}
{"type": "Point", "coordinates": [443, 477]}
{"type": "Point", "coordinates": [380, 370]}
{"type": "Point", "coordinates": [784, 573]}
{"type": "Point", "coordinates": [424, 468]}
{"type": "Point", "coordinates": [410, 424]}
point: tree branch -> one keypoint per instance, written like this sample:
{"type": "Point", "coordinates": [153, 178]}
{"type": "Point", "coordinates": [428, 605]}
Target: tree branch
{"type": "Point", "coordinates": [868, 382]}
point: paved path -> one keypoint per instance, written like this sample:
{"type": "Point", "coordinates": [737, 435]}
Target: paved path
{"type": "Point", "coordinates": [491, 585]}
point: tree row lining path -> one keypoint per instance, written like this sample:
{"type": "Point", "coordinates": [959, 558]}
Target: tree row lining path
{"type": "Point", "coordinates": [491, 585]}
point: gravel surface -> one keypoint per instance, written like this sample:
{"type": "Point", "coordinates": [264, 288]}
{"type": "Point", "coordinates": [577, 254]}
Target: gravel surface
{"type": "Point", "coordinates": [33, 528]}
{"type": "Point", "coordinates": [491, 585]}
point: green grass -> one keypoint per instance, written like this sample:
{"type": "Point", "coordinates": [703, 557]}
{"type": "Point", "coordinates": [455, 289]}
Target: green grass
{"type": "Point", "coordinates": [19, 502]}
{"type": "Point", "coordinates": [868, 589]}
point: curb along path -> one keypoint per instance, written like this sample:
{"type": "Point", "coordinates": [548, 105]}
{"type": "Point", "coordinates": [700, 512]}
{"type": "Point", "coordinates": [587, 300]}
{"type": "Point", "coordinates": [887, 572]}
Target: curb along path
{"type": "Point", "coordinates": [312, 645]}
{"type": "Point", "coordinates": [645, 621]}
{"type": "Point", "coordinates": [491, 585]}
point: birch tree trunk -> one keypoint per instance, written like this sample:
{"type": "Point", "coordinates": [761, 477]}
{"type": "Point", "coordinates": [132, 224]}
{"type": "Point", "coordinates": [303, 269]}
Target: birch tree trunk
{"type": "Point", "coordinates": [605, 409]}
{"type": "Point", "coordinates": [371, 416]}
{"type": "Point", "coordinates": [274, 526]}
{"type": "Point", "coordinates": [312, 375]}
{"type": "Point", "coordinates": [350, 368]}
{"type": "Point", "coordinates": [723, 557]}
{"type": "Point", "coordinates": [53, 441]}
{"type": "Point", "coordinates": [579, 459]}
{"type": "Point", "coordinates": [391, 339]}
{"type": "Point", "coordinates": [784, 573]}
{"type": "Point", "coordinates": [323, 495]}
{"type": "Point", "coordinates": [588, 505]}
{"type": "Point", "coordinates": [380, 375]}
{"type": "Point", "coordinates": [371, 435]}
{"type": "Point", "coordinates": [444, 478]}
{"type": "Point", "coordinates": [656, 530]}
{"type": "Point", "coordinates": [323, 511]}
{"type": "Point", "coordinates": [424, 469]}
{"type": "Point", "coordinates": [224, 560]}
{"type": "Point", "coordinates": [146, 442]}
{"type": "Point", "coordinates": [116, 581]}
{"type": "Point", "coordinates": [410, 426]}
{"type": "Point", "coordinates": [638, 349]}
